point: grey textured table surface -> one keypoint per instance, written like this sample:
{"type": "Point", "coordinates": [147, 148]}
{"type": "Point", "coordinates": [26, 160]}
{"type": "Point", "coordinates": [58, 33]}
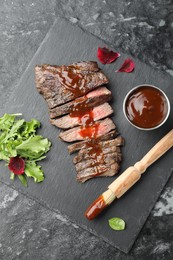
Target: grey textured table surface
{"type": "Point", "coordinates": [142, 28]}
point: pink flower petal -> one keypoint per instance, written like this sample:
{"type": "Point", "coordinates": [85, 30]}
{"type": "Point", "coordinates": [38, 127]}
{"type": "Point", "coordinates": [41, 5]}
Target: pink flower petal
{"type": "Point", "coordinates": [107, 56]}
{"type": "Point", "coordinates": [128, 66]}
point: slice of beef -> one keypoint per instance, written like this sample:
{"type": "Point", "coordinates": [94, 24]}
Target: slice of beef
{"type": "Point", "coordinates": [60, 84]}
{"type": "Point", "coordinates": [93, 114]}
{"type": "Point", "coordinates": [96, 130]}
{"type": "Point", "coordinates": [110, 148]}
{"type": "Point", "coordinates": [92, 99]}
{"type": "Point", "coordinates": [105, 159]}
{"type": "Point", "coordinates": [97, 171]}
{"type": "Point", "coordinates": [85, 155]}
{"type": "Point", "coordinates": [109, 136]}
{"type": "Point", "coordinates": [84, 144]}
{"type": "Point", "coordinates": [46, 71]}
{"type": "Point", "coordinates": [85, 66]}
{"type": "Point", "coordinates": [63, 95]}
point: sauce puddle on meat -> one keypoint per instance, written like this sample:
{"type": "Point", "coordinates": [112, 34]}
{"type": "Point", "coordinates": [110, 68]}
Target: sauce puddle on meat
{"type": "Point", "coordinates": [89, 130]}
{"type": "Point", "coordinates": [71, 80]}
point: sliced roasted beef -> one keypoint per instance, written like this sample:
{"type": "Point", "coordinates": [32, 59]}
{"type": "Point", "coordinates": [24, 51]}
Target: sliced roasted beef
{"type": "Point", "coordinates": [94, 131]}
{"type": "Point", "coordinates": [80, 117]}
{"type": "Point", "coordinates": [60, 84]}
{"type": "Point", "coordinates": [97, 171]}
{"type": "Point", "coordinates": [85, 66]}
{"type": "Point", "coordinates": [92, 99]}
{"type": "Point", "coordinates": [85, 155]}
{"type": "Point", "coordinates": [106, 140]}
{"type": "Point", "coordinates": [76, 92]}
{"type": "Point", "coordinates": [104, 159]}
{"type": "Point", "coordinates": [109, 147]}
{"type": "Point", "coordinates": [119, 141]}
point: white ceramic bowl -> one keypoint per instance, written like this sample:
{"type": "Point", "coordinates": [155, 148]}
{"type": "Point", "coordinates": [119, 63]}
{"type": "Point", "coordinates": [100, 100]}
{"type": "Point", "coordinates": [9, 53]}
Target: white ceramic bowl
{"type": "Point", "coordinates": [138, 87]}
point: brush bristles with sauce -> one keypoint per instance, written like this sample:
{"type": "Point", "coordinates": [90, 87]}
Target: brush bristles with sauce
{"type": "Point", "coordinates": [100, 204]}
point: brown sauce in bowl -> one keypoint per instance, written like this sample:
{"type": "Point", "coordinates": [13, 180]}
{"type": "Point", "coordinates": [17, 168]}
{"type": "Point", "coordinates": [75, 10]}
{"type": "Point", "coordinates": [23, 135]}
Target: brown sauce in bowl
{"type": "Point", "coordinates": [146, 107]}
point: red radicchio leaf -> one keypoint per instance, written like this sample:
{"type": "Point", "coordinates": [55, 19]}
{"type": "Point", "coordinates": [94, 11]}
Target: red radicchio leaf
{"type": "Point", "coordinates": [128, 66]}
{"type": "Point", "coordinates": [17, 165]}
{"type": "Point", "coordinates": [107, 56]}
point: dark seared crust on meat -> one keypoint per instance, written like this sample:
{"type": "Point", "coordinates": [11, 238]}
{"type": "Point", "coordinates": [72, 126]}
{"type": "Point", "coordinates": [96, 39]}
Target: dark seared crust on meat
{"type": "Point", "coordinates": [84, 155]}
{"type": "Point", "coordinates": [93, 81]}
{"type": "Point", "coordinates": [97, 171]}
{"type": "Point", "coordinates": [119, 141]}
{"type": "Point", "coordinates": [104, 159]}
{"type": "Point", "coordinates": [92, 99]}
{"type": "Point", "coordinates": [85, 66]}
{"type": "Point", "coordinates": [48, 84]}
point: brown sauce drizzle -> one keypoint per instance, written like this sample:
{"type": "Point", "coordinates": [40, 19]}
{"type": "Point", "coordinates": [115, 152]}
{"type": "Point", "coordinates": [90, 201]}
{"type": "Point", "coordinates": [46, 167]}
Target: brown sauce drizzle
{"type": "Point", "coordinates": [89, 130]}
{"type": "Point", "coordinates": [72, 80]}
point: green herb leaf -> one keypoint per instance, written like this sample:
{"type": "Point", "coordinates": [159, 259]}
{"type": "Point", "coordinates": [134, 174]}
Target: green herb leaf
{"type": "Point", "coordinates": [7, 121]}
{"type": "Point", "coordinates": [29, 128]}
{"type": "Point", "coordinates": [34, 147]}
{"type": "Point", "coordinates": [4, 155]}
{"type": "Point", "coordinates": [34, 170]}
{"type": "Point", "coordinates": [10, 147]}
{"type": "Point", "coordinates": [23, 180]}
{"type": "Point", "coordinates": [117, 223]}
{"type": "Point", "coordinates": [14, 129]}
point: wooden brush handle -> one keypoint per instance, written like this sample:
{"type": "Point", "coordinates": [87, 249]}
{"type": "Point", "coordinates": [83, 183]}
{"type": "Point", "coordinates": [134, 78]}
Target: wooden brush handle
{"type": "Point", "coordinates": [155, 153]}
{"type": "Point", "coordinates": [128, 178]}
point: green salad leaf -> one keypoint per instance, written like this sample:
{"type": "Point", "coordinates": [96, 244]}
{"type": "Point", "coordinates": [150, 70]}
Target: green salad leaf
{"type": "Point", "coordinates": [29, 128]}
{"type": "Point", "coordinates": [33, 170]}
{"type": "Point", "coordinates": [7, 121]}
{"type": "Point", "coordinates": [23, 180]}
{"type": "Point", "coordinates": [117, 223]}
{"type": "Point", "coordinates": [18, 139]}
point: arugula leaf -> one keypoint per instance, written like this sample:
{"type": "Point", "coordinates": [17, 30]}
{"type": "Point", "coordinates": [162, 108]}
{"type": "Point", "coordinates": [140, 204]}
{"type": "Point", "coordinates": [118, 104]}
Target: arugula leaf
{"type": "Point", "coordinates": [117, 223]}
{"type": "Point", "coordinates": [2, 136]}
{"type": "Point", "coordinates": [29, 128]}
{"type": "Point", "coordinates": [23, 180]}
{"type": "Point", "coordinates": [10, 147]}
{"type": "Point", "coordinates": [7, 121]}
{"type": "Point", "coordinates": [34, 147]}
{"type": "Point", "coordinates": [34, 170]}
{"type": "Point", "coordinates": [3, 154]}
{"type": "Point", "coordinates": [13, 131]}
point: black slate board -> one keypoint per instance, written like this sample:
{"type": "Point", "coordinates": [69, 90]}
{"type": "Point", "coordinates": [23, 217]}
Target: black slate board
{"type": "Point", "coordinates": [65, 44]}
